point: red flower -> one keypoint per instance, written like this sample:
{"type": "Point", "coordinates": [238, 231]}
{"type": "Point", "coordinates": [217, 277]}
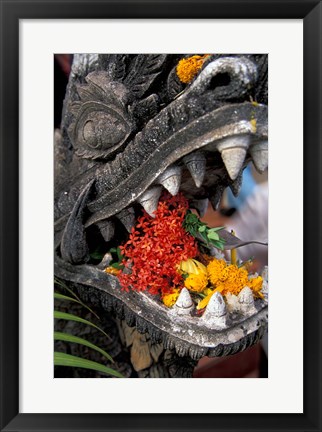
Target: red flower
{"type": "Point", "coordinates": [156, 246]}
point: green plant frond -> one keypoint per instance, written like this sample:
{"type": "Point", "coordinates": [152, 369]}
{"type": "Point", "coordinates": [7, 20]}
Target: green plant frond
{"type": "Point", "coordinates": [70, 317]}
{"type": "Point", "coordinates": [75, 339]}
{"type": "Point", "coordinates": [63, 359]}
{"type": "Point", "coordinates": [59, 296]}
{"type": "Point", "coordinates": [71, 292]}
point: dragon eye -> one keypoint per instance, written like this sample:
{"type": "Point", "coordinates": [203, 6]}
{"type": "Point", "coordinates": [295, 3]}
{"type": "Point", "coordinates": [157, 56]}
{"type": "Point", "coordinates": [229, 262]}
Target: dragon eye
{"type": "Point", "coordinates": [99, 130]}
{"type": "Point", "coordinates": [89, 134]}
{"type": "Point", "coordinates": [103, 131]}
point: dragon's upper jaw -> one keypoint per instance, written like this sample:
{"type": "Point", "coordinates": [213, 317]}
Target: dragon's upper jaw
{"type": "Point", "coordinates": [201, 162]}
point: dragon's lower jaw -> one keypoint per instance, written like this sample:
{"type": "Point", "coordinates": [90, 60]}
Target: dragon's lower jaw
{"type": "Point", "coordinates": [219, 331]}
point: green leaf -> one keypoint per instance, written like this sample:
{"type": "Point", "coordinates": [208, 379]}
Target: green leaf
{"type": "Point", "coordinates": [62, 359]}
{"type": "Point", "coordinates": [202, 228]}
{"type": "Point", "coordinates": [74, 339]}
{"type": "Point", "coordinates": [70, 317]}
{"type": "Point", "coordinates": [212, 235]}
{"type": "Point", "coordinates": [96, 255]}
{"type": "Point", "coordinates": [64, 297]}
{"type": "Point", "coordinates": [204, 236]}
{"type": "Point", "coordinates": [119, 254]}
{"type": "Point", "coordinates": [216, 229]}
{"type": "Point", "coordinates": [218, 244]}
{"type": "Point", "coordinates": [117, 266]}
{"type": "Point", "coordinates": [64, 286]}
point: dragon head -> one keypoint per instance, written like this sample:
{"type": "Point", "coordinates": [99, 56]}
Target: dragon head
{"type": "Point", "coordinates": [134, 126]}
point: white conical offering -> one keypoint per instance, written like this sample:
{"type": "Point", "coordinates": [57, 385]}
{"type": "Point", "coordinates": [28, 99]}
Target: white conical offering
{"type": "Point", "coordinates": [246, 301]}
{"type": "Point", "coordinates": [264, 273]}
{"type": "Point", "coordinates": [233, 304]}
{"type": "Point", "coordinates": [215, 315]}
{"type": "Point", "coordinates": [184, 303]}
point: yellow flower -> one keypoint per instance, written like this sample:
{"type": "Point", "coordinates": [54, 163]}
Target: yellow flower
{"type": "Point", "coordinates": [169, 299]}
{"type": "Point", "coordinates": [187, 68]}
{"type": "Point", "coordinates": [231, 279]}
{"type": "Point", "coordinates": [112, 270]}
{"type": "Point", "coordinates": [235, 280]}
{"type": "Point", "coordinates": [256, 285]}
{"type": "Point", "coordinates": [208, 291]}
{"type": "Point", "coordinates": [215, 270]}
{"type": "Point", "coordinates": [203, 303]}
{"type": "Point", "coordinates": [196, 282]}
{"type": "Point", "coordinates": [192, 266]}
{"type": "Point", "coordinates": [197, 279]}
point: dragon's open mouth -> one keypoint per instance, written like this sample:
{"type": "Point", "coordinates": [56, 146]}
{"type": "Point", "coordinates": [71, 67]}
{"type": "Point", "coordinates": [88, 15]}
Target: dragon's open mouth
{"type": "Point", "coordinates": [187, 148]}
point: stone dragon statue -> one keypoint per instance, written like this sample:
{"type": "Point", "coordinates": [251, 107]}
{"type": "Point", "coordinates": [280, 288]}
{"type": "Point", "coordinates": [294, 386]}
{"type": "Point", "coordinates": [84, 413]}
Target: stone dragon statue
{"type": "Point", "coordinates": [130, 128]}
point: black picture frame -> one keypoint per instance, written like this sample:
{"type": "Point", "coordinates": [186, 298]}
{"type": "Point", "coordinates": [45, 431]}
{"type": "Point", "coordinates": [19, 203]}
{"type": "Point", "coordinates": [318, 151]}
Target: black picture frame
{"type": "Point", "coordinates": [11, 13]}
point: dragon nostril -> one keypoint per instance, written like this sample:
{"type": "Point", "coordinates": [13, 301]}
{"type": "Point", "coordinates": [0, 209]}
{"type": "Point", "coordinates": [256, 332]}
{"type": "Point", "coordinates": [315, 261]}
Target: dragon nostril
{"type": "Point", "coordinates": [219, 80]}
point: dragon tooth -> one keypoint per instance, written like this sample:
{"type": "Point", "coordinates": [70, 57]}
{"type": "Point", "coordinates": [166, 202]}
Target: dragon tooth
{"type": "Point", "coordinates": [171, 179]}
{"type": "Point", "coordinates": [215, 314]}
{"type": "Point", "coordinates": [259, 153]}
{"type": "Point", "coordinates": [216, 196]}
{"type": "Point", "coordinates": [107, 229]}
{"type": "Point", "coordinates": [150, 200]}
{"type": "Point", "coordinates": [73, 246]}
{"type": "Point", "coordinates": [196, 164]}
{"type": "Point", "coordinates": [233, 159]}
{"type": "Point", "coordinates": [184, 303]}
{"type": "Point", "coordinates": [127, 217]}
{"type": "Point", "coordinates": [233, 152]}
{"type": "Point", "coordinates": [201, 205]}
{"type": "Point", "coordinates": [106, 260]}
{"type": "Point", "coordinates": [246, 300]}
{"type": "Point", "coordinates": [236, 185]}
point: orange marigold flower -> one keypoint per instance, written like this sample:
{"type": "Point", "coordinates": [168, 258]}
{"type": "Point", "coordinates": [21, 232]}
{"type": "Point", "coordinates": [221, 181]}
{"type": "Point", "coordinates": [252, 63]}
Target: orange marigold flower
{"type": "Point", "coordinates": [256, 285]}
{"type": "Point", "coordinates": [234, 280]}
{"type": "Point", "coordinates": [215, 270]}
{"type": "Point", "coordinates": [228, 278]}
{"type": "Point", "coordinates": [187, 68]}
